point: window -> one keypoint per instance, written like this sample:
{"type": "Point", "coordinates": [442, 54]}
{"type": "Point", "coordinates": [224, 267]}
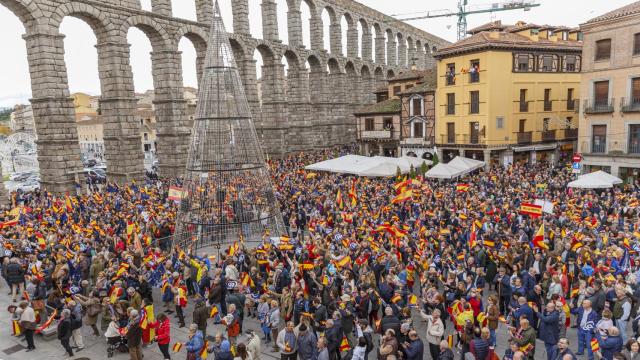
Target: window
{"type": "Point", "coordinates": [547, 99]}
{"type": "Point", "coordinates": [368, 124]}
{"type": "Point", "coordinates": [146, 136]}
{"type": "Point", "coordinates": [451, 133]}
{"type": "Point", "coordinates": [397, 90]}
{"type": "Point", "coordinates": [451, 104]}
{"type": "Point", "coordinates": [636, 44]}
{"type": "Point", "coordinates": [635, 90]}
{"type": "Point", "coordinates": [474, 130]}
{"type": "Point", "coordinates": [524, 105]}
{"type": "Point", "coordinates": [418, 129]}
{"type": "Point", "coordinates": [601, 92]}
{"type": "Point", "coordinates": [598, 138]}
{"type": "Point", "coordinates": [416, 106]}
{"type": "Point", "coordinates": [565, 35]}
{"type": "Point", "coordinates": [387, 123]}
{"type": "Point", "coordinates": [451, 74]}
{"type": "Point", "coordinates": [407, 87]}
{"type": "Point", "coordinates": [570, 101]}
{"type": "Point", "coordinates": [545, 124]}
{"type": "Point", "coordinates": [569, 122]}
{"type": "Point", "coordinates": [523, 62]}
{"type": "Point", "coordinates": [603, 49]}
{"type": "Point", "coordinates": [499, 122]}
{"type": "Point", "coordinates": [570, 63]}
{"type": "Point", "coordinates": [634, 139]}
{"type": "Point", "coordinates": [474, 71]}
{"type": "Point", "coordinates": [547, 63]}
{"type": "Point", "coordinates": [474, 107]}
{"type": "Point", "coordinates": [522, 125]}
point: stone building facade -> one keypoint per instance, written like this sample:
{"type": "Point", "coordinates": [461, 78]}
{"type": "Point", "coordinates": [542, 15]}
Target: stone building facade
{"type": "Point", "coordinates": [609, 131]}
{"type": "Point", "coordinates": [22, 119]}
{"type": "Point", "coordinates": [285, 122]}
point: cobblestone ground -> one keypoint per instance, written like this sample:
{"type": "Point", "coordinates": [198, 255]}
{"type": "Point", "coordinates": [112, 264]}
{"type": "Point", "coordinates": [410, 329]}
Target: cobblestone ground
{"type": "Point", "coordinates": [13, 348]}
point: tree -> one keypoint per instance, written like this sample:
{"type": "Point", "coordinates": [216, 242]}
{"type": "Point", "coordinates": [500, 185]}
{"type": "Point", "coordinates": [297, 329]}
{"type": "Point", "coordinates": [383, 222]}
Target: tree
{"type": "Point", "coordinates": [398, 172]}
{"type": "Point", "coordinates": [423, 168]}
{"type": "Point", "coordinates": [412, 172]}
{"type": "Point", "coordinates": [435, 159]}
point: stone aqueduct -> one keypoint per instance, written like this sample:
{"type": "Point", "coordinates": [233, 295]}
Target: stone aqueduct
{"type": "Point", "coordinates": [314, 111]}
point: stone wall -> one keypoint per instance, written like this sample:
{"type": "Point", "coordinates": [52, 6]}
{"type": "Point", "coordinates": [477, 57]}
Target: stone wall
{"type": "Point", "coordinates": [313, 110]}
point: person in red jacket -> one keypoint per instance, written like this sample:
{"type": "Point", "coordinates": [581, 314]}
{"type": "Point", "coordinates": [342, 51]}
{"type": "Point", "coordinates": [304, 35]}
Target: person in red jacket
{"type": "Point", "coordinates": [163, 334]}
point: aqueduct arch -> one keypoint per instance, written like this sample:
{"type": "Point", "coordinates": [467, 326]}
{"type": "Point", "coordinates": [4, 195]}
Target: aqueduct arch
{"type": "Point", "coordinates": [313, 109]}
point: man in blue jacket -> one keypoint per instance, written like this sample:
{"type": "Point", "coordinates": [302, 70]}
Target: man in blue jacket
{"type": "Point", "coordinates": [529, 280]}
{"type": "Point", "coordinates": [523, 310]}
{"type": "Point", "coordinates": [414, 350]}
{"type": "Point", "coordinates": [611, 343]}
{"type": "Point", "coordinates": [549, 328]}
{"type": "Point", "coordinates": [587, 320]}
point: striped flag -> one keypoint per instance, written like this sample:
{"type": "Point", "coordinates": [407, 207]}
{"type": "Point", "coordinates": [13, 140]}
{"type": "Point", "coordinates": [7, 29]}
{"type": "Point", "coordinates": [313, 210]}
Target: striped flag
{"type": "Point", "coordinates": [176, 347]}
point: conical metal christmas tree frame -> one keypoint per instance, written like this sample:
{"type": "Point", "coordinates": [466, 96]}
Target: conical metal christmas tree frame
{"type": "Point", "coordinates": [229, 196]}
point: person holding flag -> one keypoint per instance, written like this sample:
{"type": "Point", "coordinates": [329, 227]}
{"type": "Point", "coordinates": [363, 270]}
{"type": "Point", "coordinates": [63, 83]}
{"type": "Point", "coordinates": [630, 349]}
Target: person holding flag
{"type": "Point", "coordinates": [162, 326]}
{"type": "Point", "coordinates": [287, 342]}
{"type": "Point", "coordinates": [195, 344]}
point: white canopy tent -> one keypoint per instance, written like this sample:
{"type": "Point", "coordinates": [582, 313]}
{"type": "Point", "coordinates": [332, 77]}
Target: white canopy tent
{"type": "Point", "coordinates": [595, 180]}
{"type": "Point", "coordinates": [377, 166]}
{"type": "Point", "coordinates": [457, 167]}
{"type": "Point", "coordinates": [466, 163]}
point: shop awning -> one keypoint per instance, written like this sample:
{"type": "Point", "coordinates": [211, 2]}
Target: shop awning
{"type": "Point", "coordinates": [540, 147]}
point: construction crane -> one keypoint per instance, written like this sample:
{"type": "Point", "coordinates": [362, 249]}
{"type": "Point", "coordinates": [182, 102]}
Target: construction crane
{"type": "Point", "coordinates": [465, 9]}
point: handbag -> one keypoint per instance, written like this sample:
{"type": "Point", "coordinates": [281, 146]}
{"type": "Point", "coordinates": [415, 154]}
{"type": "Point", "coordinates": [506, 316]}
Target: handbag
{"type": "Point", "coordinates": [37, 304]}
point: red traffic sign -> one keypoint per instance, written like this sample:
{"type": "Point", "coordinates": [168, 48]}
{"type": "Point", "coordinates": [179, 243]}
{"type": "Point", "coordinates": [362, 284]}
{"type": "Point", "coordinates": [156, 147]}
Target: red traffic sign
{"type": "Point", "coordinates": [577, 158]}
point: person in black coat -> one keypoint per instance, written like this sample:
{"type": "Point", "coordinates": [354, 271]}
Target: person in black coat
{"type": "Point", "coordinates": [334, 337]}
{"type": "Point", "coordinates": [14, 274]}
{"type": "Point", "coordinates": [145, 290]}
{"type": "Point", "coordinates": [64, 330]}
{"type": "Point", "coordinates": [389, 321]}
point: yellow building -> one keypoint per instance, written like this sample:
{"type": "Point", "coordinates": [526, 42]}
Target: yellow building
{"type": "Point", "coordinates": [508, 93]}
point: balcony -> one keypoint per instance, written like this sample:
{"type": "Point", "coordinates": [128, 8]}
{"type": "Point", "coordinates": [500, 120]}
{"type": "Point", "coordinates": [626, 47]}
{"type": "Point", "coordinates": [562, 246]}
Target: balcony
{"type": "Point", "coordinates": [417, 141]}
{"type": "Point", "coordinates": [570, 134]}
{"type": "Point", "coordinates": [524, 106]}
{"type": "Point", "coordinates": [474, 138]}
{"type": "Point", "coordinates": [598, 106]}
{"type": "Point", "coordinates": [549, 135]}
{"type": "Point", "coordinates": [451, 79]}
{"type": "Point", "coordinates": [630, 104]}
{"type": "Point", "coordinates": [524, 137]}
{"type": "Point", "coordinates": [599, 147]}
{"type": "Point", "coordinates": [634, 147]}
{"type": "Point", "coordinates": [474, 77]}
{"type": "Point", "coordinates": [377, 134]}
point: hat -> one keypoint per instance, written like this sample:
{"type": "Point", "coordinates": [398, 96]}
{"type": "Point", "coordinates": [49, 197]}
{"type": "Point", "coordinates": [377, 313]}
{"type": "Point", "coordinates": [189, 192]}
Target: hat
{"type": "Point", "coordinates": [345, 297]}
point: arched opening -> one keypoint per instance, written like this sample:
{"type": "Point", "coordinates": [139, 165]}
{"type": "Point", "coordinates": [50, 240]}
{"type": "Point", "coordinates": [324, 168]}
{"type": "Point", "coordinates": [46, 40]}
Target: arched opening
{"type": "Point", "coordinates": [412, 154]}
{"type": "Point", "coordinates": [379, 78]}
{"type": "Point", "coordinates": [365, 40]}
{"type": "Point", "coordinates": [328, 19]}
{"type": "Point", "coordinates": [265, 60]}
{"type": "Point", "coordinates": [411, 54]}
{"type": "Point", "coordinates": [145, 5]}
{"type": "Point", "coordinates": [184, 9]}
{"type": "Point", "coordinates": [346, 26]}
{"type": "Point", "coordinates": [226, 10]}
{"type": "Point", "coordinates": [140, 60]}
{"type": "Point", "coordinates": [14, 69]}
{"type": "Point", "coordinates": [282, 18]}
{"type": "Point", "coordinates": [390, 74]}
{"type": "Point", "coordinates": [305, 16]}
{"type": "Point", "coordinates": [189, 63]}
{"type": "Point", "coordinates": [255, 18]}
{"type": "Point", "coordinates": [80, 56]}
{"type": "Point", "coordinates": [257, 56]}
{"type": "Point", "coordinates": [379, 55]}
{"type": "Point", "coordinates": [390, 51]}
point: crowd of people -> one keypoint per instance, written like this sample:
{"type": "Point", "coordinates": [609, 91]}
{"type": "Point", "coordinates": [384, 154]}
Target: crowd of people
{"type": "Point", "coordinates": [365, 265]}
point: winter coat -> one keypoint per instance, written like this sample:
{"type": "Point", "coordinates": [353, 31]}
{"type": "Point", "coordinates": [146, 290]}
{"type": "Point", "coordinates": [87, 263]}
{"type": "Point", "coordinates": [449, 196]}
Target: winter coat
{"type": "Point", "coordinates": [14, 273]}
{"type": "Point", "coordinates": [163, 331]}
{"type": "Point", "coordinates": [549, 327]}
{"type": "Point", "coordinates": [447, 354]}
{"type": "Point", "coordinates": [195, 344]}
{"type": "Point", "coordinates": [200, 316]}
{"type": "Point", "coordinates": [610, 346]}
{"type": "Point", "coordinates": [415, 350]}
{"type": "Point", "coordinates": [134, 335]}
{"type": "Point", "coordinates": [64, 329]}
{"type": "Point", "coordinates": [307, 346]}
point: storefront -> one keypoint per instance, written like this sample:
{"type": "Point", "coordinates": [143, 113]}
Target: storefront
{"type": "Point", "coordinates": [629, 175]}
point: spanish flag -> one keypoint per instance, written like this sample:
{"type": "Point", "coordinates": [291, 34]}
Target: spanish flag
{"type": "Point", "coordinates": [413, 301]}
{"type": "Point", "coordinates": [396, 298]}
{"type": "Point", "coordinates": [339, 201]}
{"type": "Point", "coordinates": [344, 344]}
{"type": "Point", "coordinates": [310, 175]}
{"type": "Point", "coordinates": [214, 311]}
{"type": "Point", "coordinates": [462, 187]}
{"type": "Point", "coordinates": [489, 243]}
{"type": "Point", "coordinates": [595, 345]}
{"type": "Point", "coordinates": [16, 328]}
{"type": "Point", "coordinates": [352, 195]}
{"type": "Point", "coordinates": [402, 197]}
{"type": "Point", "coordinates": [204, 353]}
{"type": "Point", "coordinates": [450, 341]}
{"type": "Point", "coordinates": [344, 261]}
{"type": "Point", "coordinates": [177, 346]}
{"type": "Point", "coordinates": [532, 210]}
{"type": "Point", "coordinates": [538, 239]}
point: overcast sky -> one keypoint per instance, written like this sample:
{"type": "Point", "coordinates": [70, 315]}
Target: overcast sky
{"type": "Point", "coordinates": [81, 56]}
